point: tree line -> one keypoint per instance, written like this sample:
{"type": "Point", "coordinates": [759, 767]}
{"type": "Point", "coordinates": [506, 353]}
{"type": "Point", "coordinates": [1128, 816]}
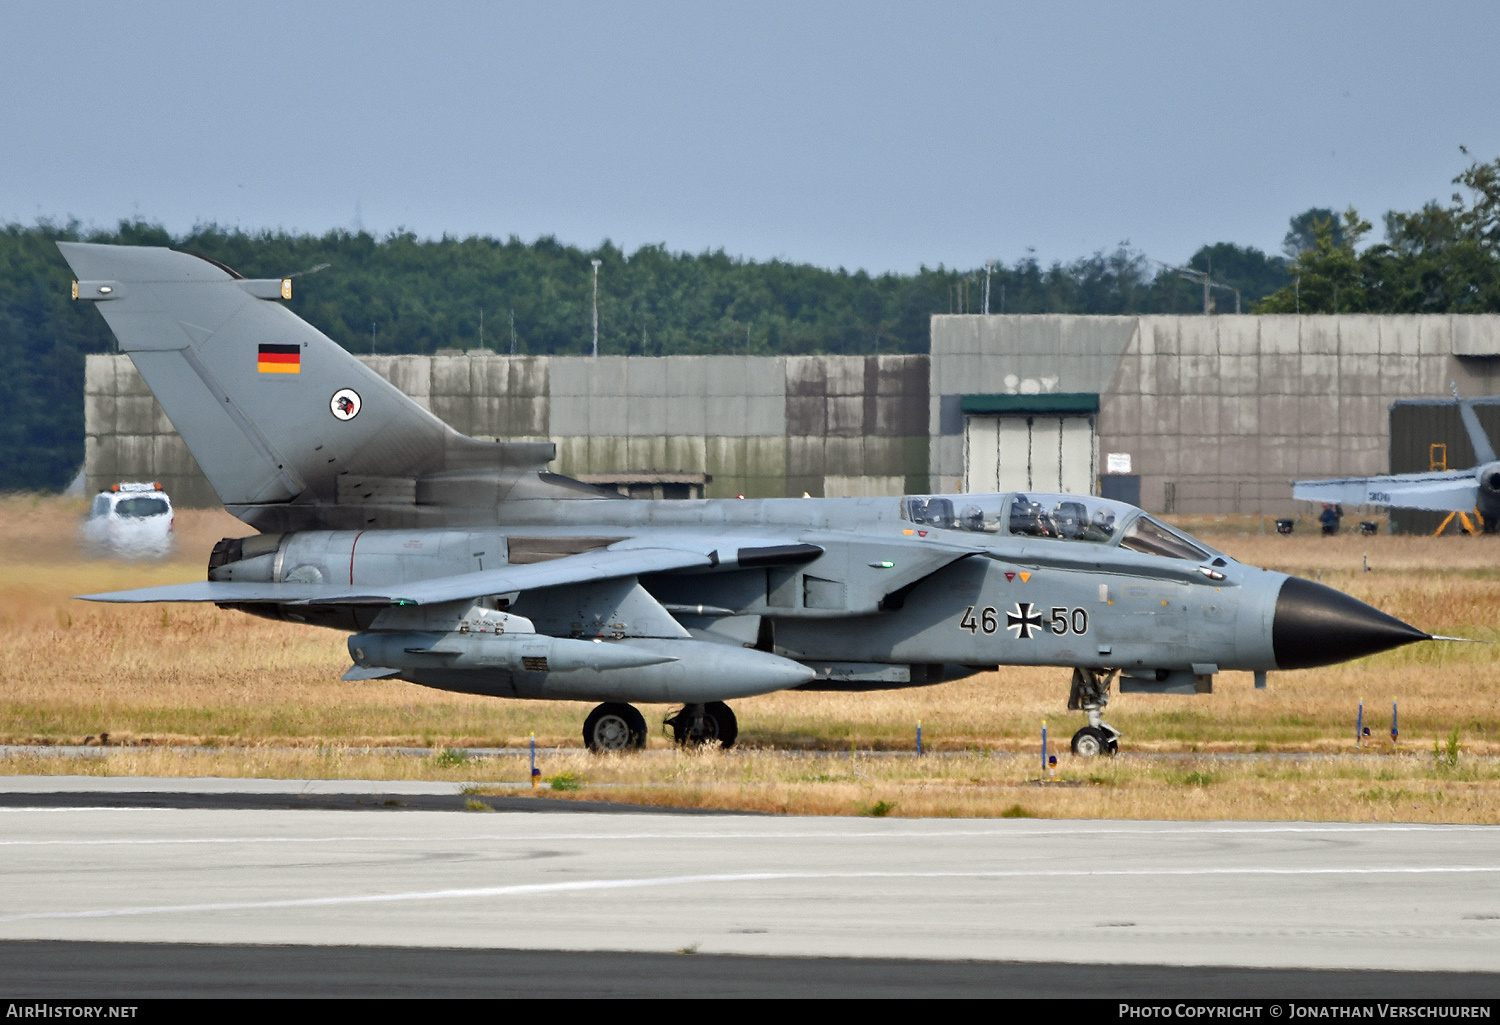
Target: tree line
{"type": "Point", "coordinates": [403, 294]}
{"type": "Point", "coordinates": [1443, 258]}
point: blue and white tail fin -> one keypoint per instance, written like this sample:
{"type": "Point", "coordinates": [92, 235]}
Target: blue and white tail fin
{"type": "Point", "coordinates": [277, 414]}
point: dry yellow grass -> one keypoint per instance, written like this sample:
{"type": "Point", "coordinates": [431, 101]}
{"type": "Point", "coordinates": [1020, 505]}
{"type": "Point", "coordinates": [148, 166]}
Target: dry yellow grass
{"type": "Point", "coordinates": [1383, 788]}
{"type": "Point", "coordinates": [1375, 786]}
{"type": "Point", "coordinates": [191, 674]}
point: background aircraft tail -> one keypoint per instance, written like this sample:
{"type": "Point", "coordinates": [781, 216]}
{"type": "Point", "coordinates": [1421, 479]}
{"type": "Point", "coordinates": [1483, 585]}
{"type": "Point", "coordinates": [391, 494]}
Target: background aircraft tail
{"type": "Point", "coordinates": [1483, 451]}
{"type": "Point", "coordinates": [291, 430]}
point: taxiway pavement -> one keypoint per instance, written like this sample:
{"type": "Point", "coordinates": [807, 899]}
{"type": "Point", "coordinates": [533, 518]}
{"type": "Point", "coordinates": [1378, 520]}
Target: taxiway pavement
{"type": "Point", "coordinates": [1246, 894]}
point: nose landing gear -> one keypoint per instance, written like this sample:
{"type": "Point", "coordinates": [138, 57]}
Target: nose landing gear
{"type": "Point", "coordinates": [1089, 694]}
{"type": "Point", "coordinates": [696, 725]}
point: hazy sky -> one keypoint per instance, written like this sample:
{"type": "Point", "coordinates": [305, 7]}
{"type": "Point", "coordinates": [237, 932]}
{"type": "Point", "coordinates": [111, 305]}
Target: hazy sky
{"type": "Point", "coordinates": [872, 135]}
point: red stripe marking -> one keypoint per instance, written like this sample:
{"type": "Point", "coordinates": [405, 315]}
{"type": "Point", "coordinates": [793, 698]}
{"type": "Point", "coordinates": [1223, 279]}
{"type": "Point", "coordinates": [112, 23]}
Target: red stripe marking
{"type": "Point", "coordinates": [280, 357]}
{"type": "Point", "coordinates": [352, 546]}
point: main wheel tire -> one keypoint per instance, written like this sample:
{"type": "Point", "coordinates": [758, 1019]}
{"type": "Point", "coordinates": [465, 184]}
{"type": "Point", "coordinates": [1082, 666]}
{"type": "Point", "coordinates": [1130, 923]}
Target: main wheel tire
{"type": "Point", "coordinates": [614, 726]}
{"type": "Point", "coordinates": [1091, 743]}
{"type": "Point", "coordinates": [727, 727]}
{"type": "Point", "coordinates": [693, 728]}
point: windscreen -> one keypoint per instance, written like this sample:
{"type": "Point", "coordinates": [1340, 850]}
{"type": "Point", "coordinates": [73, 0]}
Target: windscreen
{"type": "Point", "coordinates": [140, 508]}
{"type": "Point", "coordinates": [1153, 537]}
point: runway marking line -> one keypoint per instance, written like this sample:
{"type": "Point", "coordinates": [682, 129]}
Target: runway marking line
{"type": "Point", "coordinates": [528, 889]}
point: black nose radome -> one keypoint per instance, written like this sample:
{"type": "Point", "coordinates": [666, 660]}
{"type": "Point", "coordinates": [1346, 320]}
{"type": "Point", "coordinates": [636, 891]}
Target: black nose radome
{"type": "Point", "coordinates": [1318, 626]}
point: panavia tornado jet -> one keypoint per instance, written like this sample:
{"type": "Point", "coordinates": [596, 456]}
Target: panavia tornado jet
{"type": "Point", "coordinates": [1476, 489]}
{"type": "Point", "coordinates": [465, 565]}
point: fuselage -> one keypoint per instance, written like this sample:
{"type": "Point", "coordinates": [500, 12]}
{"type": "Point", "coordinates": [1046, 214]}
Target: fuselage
{"type": "Point", "coordinates": [925, 585]}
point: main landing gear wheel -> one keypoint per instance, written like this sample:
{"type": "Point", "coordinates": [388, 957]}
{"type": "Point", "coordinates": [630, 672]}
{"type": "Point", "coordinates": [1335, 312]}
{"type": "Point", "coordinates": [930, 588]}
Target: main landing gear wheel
{"type": "Point", "coordinates": [1091, 742]}
{"type": "Point", "coordinates": [696, 725]}
{"type": "Point", "coordinates": [1089, 694]}
{"type": "Point", "coordinates": [614, 726]}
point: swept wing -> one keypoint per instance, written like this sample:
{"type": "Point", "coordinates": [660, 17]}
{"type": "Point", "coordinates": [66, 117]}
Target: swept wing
{"type": "Point", "coordinates": [1440, 491]}
{"type": "Point", "coordinates": [606, 564]}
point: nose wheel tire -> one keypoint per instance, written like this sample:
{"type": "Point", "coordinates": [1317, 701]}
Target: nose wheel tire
{"type": "Point", "coordinates": [696, 725]}
{"type": "Point", "coordinates": [1091, 742]}
{"type": "Point", "coordinates": [614, 726]}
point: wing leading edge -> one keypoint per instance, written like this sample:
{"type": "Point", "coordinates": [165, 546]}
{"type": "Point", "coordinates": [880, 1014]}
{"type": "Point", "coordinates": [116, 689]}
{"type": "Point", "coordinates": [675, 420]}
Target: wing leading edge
{"type": "Point", "coordinates": [606, 564]}
{"type": "Point", "coordinates": [1441, 491]}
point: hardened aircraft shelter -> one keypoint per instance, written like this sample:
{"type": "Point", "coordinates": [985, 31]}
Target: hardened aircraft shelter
{"type": "Point", "coordinates": [1187, 414]}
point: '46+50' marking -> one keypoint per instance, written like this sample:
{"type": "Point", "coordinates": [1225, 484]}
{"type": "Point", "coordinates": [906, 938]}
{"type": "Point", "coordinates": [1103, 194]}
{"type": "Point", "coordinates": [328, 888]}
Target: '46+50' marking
{"type": "Point", "coordinates": [1024, 619]}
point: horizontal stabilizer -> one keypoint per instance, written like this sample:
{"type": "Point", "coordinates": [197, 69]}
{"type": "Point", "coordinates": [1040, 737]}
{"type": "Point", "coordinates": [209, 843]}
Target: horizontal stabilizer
{"type": "Point", "coordinates": [606, 564]}
{"type": "Point", "coordinates": [1443, 491]}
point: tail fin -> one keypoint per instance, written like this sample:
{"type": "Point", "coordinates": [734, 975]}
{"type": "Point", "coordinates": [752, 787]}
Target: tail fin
{"type": "Point", "coordinates": [277, 414]}
{"type": "Point", "coordinates": [1483, 451]}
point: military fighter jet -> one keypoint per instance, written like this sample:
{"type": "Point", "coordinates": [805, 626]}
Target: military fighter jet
{"type": "Point", "coordinates": [465, 565]}
{"type": "Point", "coordinates": [1476, 489]}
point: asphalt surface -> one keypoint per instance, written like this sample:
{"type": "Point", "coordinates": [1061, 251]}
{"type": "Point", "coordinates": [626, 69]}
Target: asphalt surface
{"type": "Point", "coordinates": [543, 802]}
{"type": "Point", "coordinates": [240, 794]}
{"type": "Point", "coordinates": [146, 971]}
{"type": "Point", "coordinates": [258, 886]}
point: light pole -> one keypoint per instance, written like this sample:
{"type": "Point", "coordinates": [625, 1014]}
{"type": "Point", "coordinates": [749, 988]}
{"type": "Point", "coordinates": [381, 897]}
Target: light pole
{"type": "Point", "coordinates": [989, 266]}
{"type": "Point", "coordinates": [596, 264]}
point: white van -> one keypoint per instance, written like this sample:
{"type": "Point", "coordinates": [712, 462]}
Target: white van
{"type": "Point", "coordinates": [130, 521]}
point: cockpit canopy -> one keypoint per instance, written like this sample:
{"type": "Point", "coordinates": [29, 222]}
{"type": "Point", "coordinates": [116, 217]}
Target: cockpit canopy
{"type": "Point", "coordinates": [1056, 517]}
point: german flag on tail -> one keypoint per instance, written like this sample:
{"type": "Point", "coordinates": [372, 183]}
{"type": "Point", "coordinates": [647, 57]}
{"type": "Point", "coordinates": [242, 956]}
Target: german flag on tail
{"type": "Point", "coordinates": [279, 359]}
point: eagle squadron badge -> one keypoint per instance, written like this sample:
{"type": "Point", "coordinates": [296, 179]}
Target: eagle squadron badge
{"type": "Point", "coordinates": [345, 403]}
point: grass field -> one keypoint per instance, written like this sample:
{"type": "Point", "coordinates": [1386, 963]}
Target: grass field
{"type": "Point", "coordinates": [161, 676]}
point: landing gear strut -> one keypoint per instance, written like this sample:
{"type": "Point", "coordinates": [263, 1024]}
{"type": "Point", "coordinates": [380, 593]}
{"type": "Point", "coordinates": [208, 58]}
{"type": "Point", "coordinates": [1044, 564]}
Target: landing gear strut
{"type": "Point", "coordinates": [696, 725]}
{"type": "Point", "coordinates": [614, 726]}
{"type": "Point", "coordinates": [1089, 694]}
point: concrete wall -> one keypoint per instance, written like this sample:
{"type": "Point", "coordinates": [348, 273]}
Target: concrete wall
{"type": "Point", "coordinates": [1219, 413]}
{"type": "Point", "coordinates": [128, 437]}
{"type": "Point", "coordinates": [721, 415]}
{"type": "Point", "coordinates": [761, 426]}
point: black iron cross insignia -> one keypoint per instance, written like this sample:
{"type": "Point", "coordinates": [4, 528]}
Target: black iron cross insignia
{"type": "Point", "coordinates": [1022, 620]}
